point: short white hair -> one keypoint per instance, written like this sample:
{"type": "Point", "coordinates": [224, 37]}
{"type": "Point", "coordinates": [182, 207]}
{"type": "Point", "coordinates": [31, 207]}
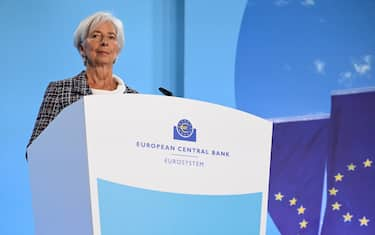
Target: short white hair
{"type": "Point", "coordinates": [84, 27]}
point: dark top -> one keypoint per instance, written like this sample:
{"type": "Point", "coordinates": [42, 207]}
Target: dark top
{"type": "Point", "coordinates": [58, 95]}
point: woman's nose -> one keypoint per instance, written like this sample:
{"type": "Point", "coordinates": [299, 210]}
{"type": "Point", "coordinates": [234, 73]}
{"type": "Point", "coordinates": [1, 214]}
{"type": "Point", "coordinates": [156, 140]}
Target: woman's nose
{"type": "Point", "coordinates": [104, 41]}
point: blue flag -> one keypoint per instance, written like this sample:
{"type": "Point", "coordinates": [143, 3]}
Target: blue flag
{"type": "Point", "coordinates": [351, 167]}
{"type": "Point", "coordinates": [299, 153]}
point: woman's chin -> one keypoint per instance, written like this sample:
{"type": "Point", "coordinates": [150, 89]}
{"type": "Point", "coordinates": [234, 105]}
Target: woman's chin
{"type": "Point", "coordinates": [100, 63]}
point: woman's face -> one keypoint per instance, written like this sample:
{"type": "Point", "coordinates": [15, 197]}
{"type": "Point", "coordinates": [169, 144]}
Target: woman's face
{"type": "Point", "coordinates": [101, 46]}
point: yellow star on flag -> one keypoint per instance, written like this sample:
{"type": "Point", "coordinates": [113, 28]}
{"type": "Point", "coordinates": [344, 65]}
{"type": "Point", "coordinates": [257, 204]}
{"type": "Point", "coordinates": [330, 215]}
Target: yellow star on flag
{"type": "Point", "coordinates": [351, 167]}
{"type": "Point", "coordinates": [364, 221]}
{"type": "Point", "coordinates": [279, 196]}
{"type": "Point", "coordinates": [333, 191]}
{"type": "Point", "coordinates": [339, 177]}
{"type": "Point", "coordinates": [301, 210]}
{"type": "Point", "coordinates": [303, 224]}
{"type": "Point", "coordinates": [293, 201]}
{"type": "Point", "coordinates": [347, 217]}
{"type": "Point", "coordinates": [336, 206]}
{"type": "Point", "coordinates": [367, 163]}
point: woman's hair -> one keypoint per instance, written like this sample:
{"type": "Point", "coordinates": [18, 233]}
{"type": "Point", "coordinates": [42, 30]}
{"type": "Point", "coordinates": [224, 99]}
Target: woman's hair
{"type": "Point", "coordinates": [92, 21]}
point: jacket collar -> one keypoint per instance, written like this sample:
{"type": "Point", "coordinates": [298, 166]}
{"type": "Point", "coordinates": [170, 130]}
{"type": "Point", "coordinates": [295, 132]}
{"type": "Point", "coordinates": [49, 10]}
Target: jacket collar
{"type": "Point", "coordinates": [80, 85]}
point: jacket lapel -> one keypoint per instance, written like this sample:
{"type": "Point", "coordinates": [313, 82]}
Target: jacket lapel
{"type": "Point", "coordinates": [80, 85]}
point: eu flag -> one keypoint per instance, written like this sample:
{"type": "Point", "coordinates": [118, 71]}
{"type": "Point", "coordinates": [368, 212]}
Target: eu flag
{"type": "Point", "coordinates": [351, 166]}
{"type": "Point", "coordinates": [299, 153]}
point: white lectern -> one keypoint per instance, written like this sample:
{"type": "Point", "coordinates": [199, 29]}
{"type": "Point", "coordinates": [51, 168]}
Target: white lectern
{"type": "Point", "coordinates": [143, 164]}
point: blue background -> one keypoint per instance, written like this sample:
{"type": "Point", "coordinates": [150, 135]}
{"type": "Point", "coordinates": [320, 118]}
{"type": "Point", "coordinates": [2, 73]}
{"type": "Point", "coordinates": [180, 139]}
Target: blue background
{"type": "Point", "coordinates": [271, 58]}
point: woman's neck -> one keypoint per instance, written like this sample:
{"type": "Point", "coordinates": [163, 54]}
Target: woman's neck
{"type": "Point", "coordinates": [100, 78]}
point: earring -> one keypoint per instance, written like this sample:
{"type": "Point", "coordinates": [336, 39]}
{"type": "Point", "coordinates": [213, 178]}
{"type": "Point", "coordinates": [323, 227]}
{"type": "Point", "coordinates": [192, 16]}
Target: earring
{"type": "Point", "coordinates": [84, 60]}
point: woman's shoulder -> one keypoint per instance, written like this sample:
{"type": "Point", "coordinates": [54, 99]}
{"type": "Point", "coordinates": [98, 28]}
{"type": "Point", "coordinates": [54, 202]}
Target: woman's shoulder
{"type": "Point", "coordinates": [76, 84]}
{"type": "Point", "coordinates": [79, 78]}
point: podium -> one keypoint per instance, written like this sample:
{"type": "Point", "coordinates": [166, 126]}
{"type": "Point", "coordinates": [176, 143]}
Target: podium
{"type": "Point", "coordinates": [144, 164]}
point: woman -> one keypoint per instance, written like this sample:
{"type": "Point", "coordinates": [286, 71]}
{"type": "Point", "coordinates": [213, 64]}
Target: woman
{"type": "Point", "coordinates": [99, 39]}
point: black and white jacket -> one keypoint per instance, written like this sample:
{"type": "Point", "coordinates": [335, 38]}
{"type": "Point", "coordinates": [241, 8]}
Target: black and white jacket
{"type": "Point", "coordinates": [60, 94]}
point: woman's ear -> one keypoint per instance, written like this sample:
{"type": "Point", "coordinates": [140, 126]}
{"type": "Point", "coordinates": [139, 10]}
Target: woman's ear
{"type": "Point", "coordinates": [81, 51]}
{"type": "Point", "coordinates": [83, 54]}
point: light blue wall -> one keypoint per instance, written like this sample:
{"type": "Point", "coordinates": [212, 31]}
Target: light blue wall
{"type": "Point", "coordinates": [211, 34]}
{"type": "Point", "coordinates": [168, 42]}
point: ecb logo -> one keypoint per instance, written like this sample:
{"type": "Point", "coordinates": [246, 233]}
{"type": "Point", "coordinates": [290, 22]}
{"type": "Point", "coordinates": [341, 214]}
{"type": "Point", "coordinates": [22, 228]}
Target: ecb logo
{"type": "Point", "coordinates": [184, 131]}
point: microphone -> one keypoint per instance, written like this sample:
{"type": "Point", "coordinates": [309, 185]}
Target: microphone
{"type": "Point", "coordinates": [165, 91]}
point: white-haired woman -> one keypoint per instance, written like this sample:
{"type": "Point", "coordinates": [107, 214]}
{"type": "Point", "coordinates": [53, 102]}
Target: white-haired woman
{"type": "Point", "coordinates": [99, 39]}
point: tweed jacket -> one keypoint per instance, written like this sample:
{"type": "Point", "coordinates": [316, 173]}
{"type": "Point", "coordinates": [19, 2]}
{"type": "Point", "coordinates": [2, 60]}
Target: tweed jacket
{"type": "Point", "coordinates": [58, 95]}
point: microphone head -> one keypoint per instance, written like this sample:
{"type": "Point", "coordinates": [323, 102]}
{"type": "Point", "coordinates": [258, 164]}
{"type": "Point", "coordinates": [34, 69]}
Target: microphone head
{"type": "Point", "coordinates": [165, 91]}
